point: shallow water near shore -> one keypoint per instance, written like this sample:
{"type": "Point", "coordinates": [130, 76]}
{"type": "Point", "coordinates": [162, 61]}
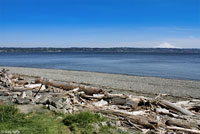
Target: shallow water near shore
{"type": "Point", "coordinates": [165, 65]}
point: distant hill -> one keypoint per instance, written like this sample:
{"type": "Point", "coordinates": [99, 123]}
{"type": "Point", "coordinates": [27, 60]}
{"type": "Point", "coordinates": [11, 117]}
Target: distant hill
{"type": "Point", "coordinates": [116, 49]}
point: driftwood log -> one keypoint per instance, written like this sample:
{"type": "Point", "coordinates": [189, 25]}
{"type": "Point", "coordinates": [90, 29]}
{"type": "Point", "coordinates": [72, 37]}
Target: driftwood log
{"type": "Point", "coordinates": [182, 123]}
{"type": "Point", "coordinates": [192, 131]}
{"type": "Point", "coordinates": [89, 90]}
{"type": "Point", "coordinates": [140, 120]}
{"type": "Point", "coordinates": [175, 107]}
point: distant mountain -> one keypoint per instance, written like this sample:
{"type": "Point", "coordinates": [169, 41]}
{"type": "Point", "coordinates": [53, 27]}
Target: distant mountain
{"type": "Point", "coordinates": [116, 49]}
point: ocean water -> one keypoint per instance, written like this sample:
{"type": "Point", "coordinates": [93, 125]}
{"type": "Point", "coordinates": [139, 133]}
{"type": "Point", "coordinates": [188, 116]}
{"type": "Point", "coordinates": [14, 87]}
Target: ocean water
{"type": "Point", "coordinates": [165, 65]}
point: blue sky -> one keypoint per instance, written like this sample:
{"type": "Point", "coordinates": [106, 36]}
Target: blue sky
{"type": "Point", "coordinates": [100, 23]}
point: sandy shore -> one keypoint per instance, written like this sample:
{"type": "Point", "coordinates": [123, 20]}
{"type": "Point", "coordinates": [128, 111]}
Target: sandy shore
{"type": "Point", "coordinates": [121, 83]}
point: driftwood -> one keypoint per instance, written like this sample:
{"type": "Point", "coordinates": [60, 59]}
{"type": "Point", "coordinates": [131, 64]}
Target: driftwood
{"type": "Point", "coordinates": [145, 122]}
{"type": "Point", "coordinates": [88, 97]}
{"type": "Point", "coordinates": [62, 85]}
{"type": "Point", "coordinates": [135, 112]}
{"type": "Point", "coordinates": [195, 107]}
{"type": "Point", "coordinates": [21, 82]}
{"type": "Point", "coordinates": [119, 99]}
{"type": "Point", "coordinates": [19, 89]}
{"type": "Point", "coordinates": [90, 90]}
{"type": "Point", "coordinates": [140, 120]}
{"type": "Point", "coordinates": [175, 107]}
{"type": "Point", "coordinates": [184, 129]}
{"type": "Point", "coordinates": [33, 86]}
{"type": "Point", "coordinates": [70, 86]}
{"type": "Point", "coordinates": [4, 93]}
{"type": "Point", "coordinates": [182, 123]}
{"type": "Point", "coordinates": [134, 125]}
{"type": "Point", "coordinates": [38, 91]}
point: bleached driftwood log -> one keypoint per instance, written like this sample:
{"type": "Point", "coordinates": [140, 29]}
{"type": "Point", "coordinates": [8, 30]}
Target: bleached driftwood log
{"type": "Point", "coordinates": [19, 89]}
{"type": "Point", "coordinates": [62, 85]}
{"type": "Point", "coordinates": [140, 120]}
{"type": "Point", "coordinates": [20, 82]}
{"type": "Point", "coordinates": [175, 107]}
{"type": "Point", "coordinates": [182, 123]}
{"type": "Point", "coordinates": [89, 90]}
{"type": "Point", "coordinates": [193, 131]}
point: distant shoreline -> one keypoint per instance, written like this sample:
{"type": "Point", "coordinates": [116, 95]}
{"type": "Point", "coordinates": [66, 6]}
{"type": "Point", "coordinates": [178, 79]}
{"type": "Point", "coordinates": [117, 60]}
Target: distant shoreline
{"type": "Point", "coordinates": [114, 49]}
{"type": "Point", "coordinates": [117, 82]}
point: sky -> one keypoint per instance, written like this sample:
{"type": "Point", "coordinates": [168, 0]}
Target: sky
{"type": "Point", "coordinates": [100, 23]}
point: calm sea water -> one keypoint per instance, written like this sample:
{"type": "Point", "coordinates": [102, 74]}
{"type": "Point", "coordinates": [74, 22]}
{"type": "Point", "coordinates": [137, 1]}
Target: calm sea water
{"type": "Point", "coordinates": [166, 65]}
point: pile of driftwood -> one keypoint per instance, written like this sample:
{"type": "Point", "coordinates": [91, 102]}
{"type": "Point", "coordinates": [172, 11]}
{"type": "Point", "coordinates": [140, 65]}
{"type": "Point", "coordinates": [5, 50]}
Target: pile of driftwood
{"type": "Point", "coordinates": [148, 115]}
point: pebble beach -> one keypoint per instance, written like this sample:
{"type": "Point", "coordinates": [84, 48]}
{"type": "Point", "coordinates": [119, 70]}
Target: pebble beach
{"type": "Point", "coordinates": [117, 82]}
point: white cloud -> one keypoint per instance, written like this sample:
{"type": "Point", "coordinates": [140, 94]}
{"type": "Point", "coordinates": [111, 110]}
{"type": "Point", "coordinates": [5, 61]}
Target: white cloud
{"type": "Point", "coordinates": [166, 45]}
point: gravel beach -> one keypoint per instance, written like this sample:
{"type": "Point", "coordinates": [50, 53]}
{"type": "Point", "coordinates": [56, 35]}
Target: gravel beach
{"type": "Point", "coordinates": [117, 82]}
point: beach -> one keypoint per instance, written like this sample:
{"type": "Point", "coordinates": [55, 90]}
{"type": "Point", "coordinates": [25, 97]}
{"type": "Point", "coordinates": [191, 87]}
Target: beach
{"type": "Point", "coordinates": [118, 83]}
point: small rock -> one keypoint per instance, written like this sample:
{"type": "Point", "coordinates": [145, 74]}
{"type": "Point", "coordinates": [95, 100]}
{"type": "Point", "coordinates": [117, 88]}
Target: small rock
{"type": "Point", "coordinates": [29, 94]}
{"type": "Point", "coordinates": [20, 77]}
{"type": "Point", "coordinates": [100, 103]}
{"type": "Point", "coordinates": [67, 106]}
{"type": "Point", "coordinates": [59, 118]}
{"type": "Point", "coordinates": [14, 96]}
{"type": "Point", "coordinates": [38, 96]}
{"type": "Point", "coordinates": [118, 123]}
{"type": "Point", "coordinates": [46, 105]}
{"type": "Point", "coordinates": [111, 123]}
{"type": "Point", "coordinates": [23, 101]}
{"type": "Point", "coordinates": [75, 109]}
{"type": "Point", "coordinates": [64, 111]}
{"type": "Point", "coordinates": [103, 124]}
{"type": "Point", "coordinates": [70, 111]}
{"type": "Point", "coordinates": [55, 102]}
{"type": "Point", "coordinates": [44, 99]}
{"type": "Point", "coordinates": [96, 128]}
{"type": "Point", "coordinates": [61, 103]}
{"type": "Point", "coordinates": [52, 108]}
{"type": "Point", "coordinates": [23, 95]}
{"type": "Point", "coordinates": [16, 93]}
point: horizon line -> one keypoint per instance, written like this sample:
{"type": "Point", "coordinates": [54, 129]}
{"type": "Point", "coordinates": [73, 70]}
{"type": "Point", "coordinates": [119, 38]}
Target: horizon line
{"type": "Point", "coordinates": [92, 47]}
